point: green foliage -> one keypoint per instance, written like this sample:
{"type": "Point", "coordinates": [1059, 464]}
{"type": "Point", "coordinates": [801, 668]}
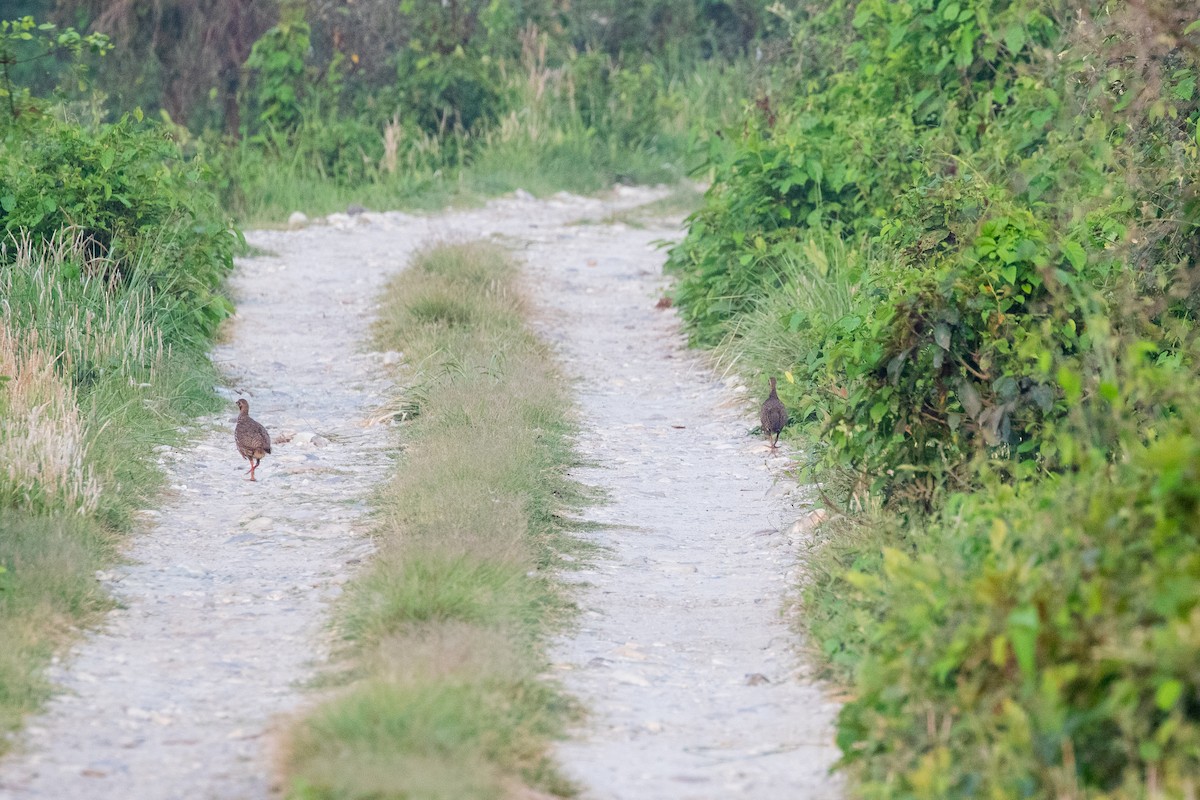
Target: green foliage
{"type": "Point", "coordinates": [277, 61]}
{"type": "Point", "coordinates": [111, 265]}
{"type": "Point", "coordinates": [1036, 638]}
{"type": "Point", "coordinates": [999, 209]}
{"type": "Point", "coordinates": [24, 40]}
{"type": "Point", "coordinates": [808, 168]}
{"type": "Point", "coordinates": [452, 90]}
{"type": "Point", "coordinates": [127, 192]}
{"type": "Point", "coordinates": [964, 235]}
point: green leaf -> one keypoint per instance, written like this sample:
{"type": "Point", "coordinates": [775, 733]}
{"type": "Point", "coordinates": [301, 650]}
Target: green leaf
{"type": "Point", "coordinates": [1071, 384]}
{"type": "Point", "coordinates": [106, 158]}
{"type": "Point", "coordinates": [862, 580]}
{"type": "Point", "coordinates": [1168, 693]}
{"type": "Point", "coordinates": [1022, 631]}
{"type": "Point", "coordinates": [1014, 37]}
{"type": "Point", "coordinates": [1074, 252]}
{"type": "Point", "coordinates": [1149, 751]}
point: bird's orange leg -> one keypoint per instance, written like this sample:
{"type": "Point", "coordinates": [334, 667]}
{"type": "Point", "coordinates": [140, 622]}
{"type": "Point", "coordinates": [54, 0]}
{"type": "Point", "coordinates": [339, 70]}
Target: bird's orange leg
{"type": "Point", "coordinates": [253, 466]}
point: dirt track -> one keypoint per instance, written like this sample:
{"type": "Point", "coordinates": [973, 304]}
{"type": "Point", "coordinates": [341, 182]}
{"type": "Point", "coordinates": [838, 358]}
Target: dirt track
{"type": "Point", "coordinates": [680, 651]}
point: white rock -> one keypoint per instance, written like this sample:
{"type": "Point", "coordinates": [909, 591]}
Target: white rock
{"type": "Point", "coordinates": [629, 678]}
{"type": "Point", "coordinates": [523, 195]}
{"type": "Point", "coordinates": [297, 219]}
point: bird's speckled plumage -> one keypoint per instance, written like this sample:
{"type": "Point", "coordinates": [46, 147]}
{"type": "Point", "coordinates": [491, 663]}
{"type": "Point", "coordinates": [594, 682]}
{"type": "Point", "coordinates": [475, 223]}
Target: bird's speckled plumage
{"type": "Point", "coordinates": [773, 416]}
{"type": "Point", "coordinates": [252, 439]}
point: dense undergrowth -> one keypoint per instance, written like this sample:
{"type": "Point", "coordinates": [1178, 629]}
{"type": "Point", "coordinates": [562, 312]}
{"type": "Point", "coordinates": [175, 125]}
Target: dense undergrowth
{"type": "Point", "coordinates": [111, 259]}
{"type": "Point", "coordinates": [968, 234]}
{"type": "Point", "coordinates": [310, 105]}
{"type": "Point", "coordinates": [568, 121]}
{"type": "Point", "coordinates": [444, 627]}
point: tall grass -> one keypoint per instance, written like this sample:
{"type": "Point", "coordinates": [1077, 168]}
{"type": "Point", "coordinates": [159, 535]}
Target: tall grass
{"type": "Point", "coordinates": [821, 283]}
{"type": "Point", "coordinates": [444, 626]}
{"type": "Point", "coordinates": [42, 444]}
{"type": "Point", "coordinates": [96, 369]}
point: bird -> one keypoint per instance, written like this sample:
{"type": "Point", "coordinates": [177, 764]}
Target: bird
{"type": "Point", "coordinates": [251, 438]}
{"type": "Point", "coordinates": [773, 416]}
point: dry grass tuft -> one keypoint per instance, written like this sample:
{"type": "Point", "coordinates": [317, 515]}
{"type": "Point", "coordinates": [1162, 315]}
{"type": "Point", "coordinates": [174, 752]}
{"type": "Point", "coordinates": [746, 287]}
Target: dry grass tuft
{"type": "Point", "coordinates": [42, 444]}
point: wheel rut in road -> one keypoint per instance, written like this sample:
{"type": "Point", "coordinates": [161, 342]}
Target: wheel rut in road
{"type": "Point", "coordinates": [682, 653]}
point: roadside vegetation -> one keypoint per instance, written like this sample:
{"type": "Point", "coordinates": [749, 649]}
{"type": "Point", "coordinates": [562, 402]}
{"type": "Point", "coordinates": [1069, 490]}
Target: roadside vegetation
{"type": "Point", "coordinates": [110, 269]}
{"type": "Point", "coordinates": [314, 105]}
{"type": "Point", "coordinates": [446, 697]}
{"type": "Point", "coordinates": [967, 232]}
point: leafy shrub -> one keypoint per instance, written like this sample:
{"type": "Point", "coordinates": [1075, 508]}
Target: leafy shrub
{"type": "Point", "coordinates": [23, 41]}
{"type": "Point", "coordinates": [809, 167]}
{"type": "Point", "coordinates": [448, 91]}
{"type": "Point", "coordinates": [135, 201]}
{"type": "Point", "coordinates": [1038, 639]}
{"type": "Point", "coordinates": [956, 355]}
{"type": "Point", "coordinates": [277, 63]}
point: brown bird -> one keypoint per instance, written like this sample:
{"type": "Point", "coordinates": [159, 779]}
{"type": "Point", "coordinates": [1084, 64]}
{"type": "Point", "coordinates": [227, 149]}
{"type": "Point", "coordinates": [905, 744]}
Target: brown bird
{"type": "Point", "coordinates": [252, 439]}
{"type": "Point", "coordinates": [773, 416]}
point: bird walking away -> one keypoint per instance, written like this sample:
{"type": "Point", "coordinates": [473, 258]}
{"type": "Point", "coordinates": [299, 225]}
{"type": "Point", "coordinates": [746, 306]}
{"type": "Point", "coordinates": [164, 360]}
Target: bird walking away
{"type": "Point", "coordinates": [773, 416]}
{"type": "Point", "coordinates": [252, 439]}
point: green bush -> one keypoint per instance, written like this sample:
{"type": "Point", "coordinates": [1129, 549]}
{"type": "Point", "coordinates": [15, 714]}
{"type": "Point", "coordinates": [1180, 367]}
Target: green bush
{"type": "Point", "coordinates": [277, 64]}
{"type": "Point", "coordinates": [133, 200]}
{"type": "Point", "coordinates": [1038, 639]}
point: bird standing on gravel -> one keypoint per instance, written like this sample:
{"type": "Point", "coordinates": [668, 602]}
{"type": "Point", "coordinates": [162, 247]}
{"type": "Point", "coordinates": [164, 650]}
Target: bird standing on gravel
{"type": "Point", "coordinates": [252, 439]}
{"type": "Point", "coordinates": [773, 416]}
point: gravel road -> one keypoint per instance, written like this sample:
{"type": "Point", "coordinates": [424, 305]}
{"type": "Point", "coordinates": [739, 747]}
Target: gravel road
{"type": "Point", "coordinates": [681, 652]}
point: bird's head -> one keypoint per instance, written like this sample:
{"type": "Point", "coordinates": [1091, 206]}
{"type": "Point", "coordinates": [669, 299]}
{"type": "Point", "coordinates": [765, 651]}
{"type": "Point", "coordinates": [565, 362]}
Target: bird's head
{"type": "Point", "coordinates": [243, 406]}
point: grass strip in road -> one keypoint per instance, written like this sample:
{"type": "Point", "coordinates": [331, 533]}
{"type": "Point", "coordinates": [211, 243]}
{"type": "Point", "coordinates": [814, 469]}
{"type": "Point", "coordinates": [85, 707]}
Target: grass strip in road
{"type": "Point", "coordinates": [446, 625]}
